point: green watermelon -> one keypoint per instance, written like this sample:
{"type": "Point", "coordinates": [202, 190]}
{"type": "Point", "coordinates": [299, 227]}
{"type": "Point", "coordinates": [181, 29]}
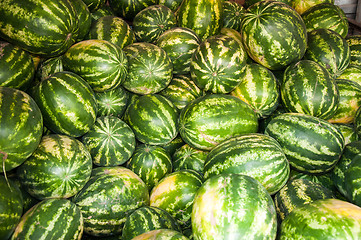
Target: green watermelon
{"type": "Point", "coordinates": [273, 34]}
{"type": "Point", "coordinates": [173, 145]}
{"type": "Point", "coordinates": [17, 68]}
{"type": "Point", "coordinates": [354, 42]}
{"type": "Point", "coordinates": [43, 28]}
{"type": "Point", "coordinates": [161, 234]}
{"type": "Point", "coordinates": [59, 168]}
{"type": "Point", "coordinates": [187, 157]}
{"type": "Point", "coordinates": [84, 18]}
{"type": "Point", "coordinates": [311, 144]}
{"type": "Point", "coordinates": [150, 70]}
{"type": "Point", "coordinates": [308, 88]}
{"type": "Point", "coordinates": [352, 181]}
{"type": "Point", "coordinates": [357, 122]}
{"type": "Point", "coordinates": [67, 103]}
{"type": "Point", "coordinates": [112, 102]}
{"type": "Point", "coordinates": [110, 141]}
{"type": "Point", "coordinates": [21, 127]}
{"type": "Point", "coordinates": [348, 132]}
{"type": "Point", "coordinates": [94, 5]}
{"type": "Point", "coordinates": [51, 219]}
{"type": "Point", "coordinates": [152, 21]}
{"type": "Point", "coordinates": [48, 67]}
{"type": "Point", "coordinates": [103, 11]}
{"type": "Point", "coordinates": [102, 64]}
{"type": "Point", "coordinates": [150, 163]}
{"type": "Point", "coordinates": [303, 5]}
{"type": "Point", "coordinates": [171, 4]}
{"type": "Point", "coordinates": [127, 9]}
{"type": "Point", "coordinates": [232, 15]}
{"type": "Point", "coordinates": [217, 64]}
{"type": "Point", "coordinates": [233, 206]}
{"type": "Point", "coordinates": [213, 118]}
{"type": "Point", "coordinates": [352, 72]}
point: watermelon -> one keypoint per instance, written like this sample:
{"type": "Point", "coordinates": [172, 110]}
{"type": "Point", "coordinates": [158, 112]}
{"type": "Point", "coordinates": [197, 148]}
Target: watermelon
{"type": "Point", "coordinates": [43, 28]}
{"type": "Point", "coordinates": [258, 88]}
{"type": "Point", "coordinates": [348, 132]}
{"type": "Point", "coordinates": [111, 194]}
{"type": "Point", "coordinates": [17, 67]}
{"type": "Point", "coordinates": [308, 88]}
{"type": "Point", "coordinates": [354, 42]}
{"type": "Point", "coordinates": [11, 207]}
{"type": "Point", "coordinates": [94, 5]}
{"type": "Point", "coordinates": [110, 141]}
{"type": "Point", "coordinates": [150, 163]}
{"type": "Point", "coordinates": [301, 6]}
{"type": "Point", "coordinates": [112, 102]}
{"type": "Point", "coordinates": [352, 181]}
{"type": "Point", "coordinates": [323, 219]}
{"type": "Point", "coordinates": [327, 16]}
{"type": "Point", "coordinates": [233, 206]}
{"type": "Point", "coordinates": [173, 145]}
{"type": "Point", "coordinates": [59, 168]}
{"type": "Point", "coordinates": [128, 9]}
{"type": "Point", "coordinates": [311, 144]}
{"type": "Point", "coordinates": [161, 234]}
{"type": "Point", "coordinates": [150, 70]}
{"type": "Point", "coordinates": [67, 103]}
{"type": "Point", "coordinates": [232, 15]}
{"type": "Point", "coordinates": [146, 219]}
{"type": "Point", "coordinates": [179, 44]}
{"type": "Point", "coordinates": [357, 122]}
{"type": "Point", "coordinates": [217, 64]}
{"type": "Point", "coordinates": [352, 72]}
{"type": "Point", "coordinates": [103, 11]}
{"type": "Point", "coordinates": [187, 157]}
{"type": "Point", "coordinates": [204, 17]}
{"type": "Point", "coordinates": [84, 18]}
{"type": "Point", "coordinates": [51, 219]}
{"type": "Point", "coordinates": [152, 21]}
{"type": "Point", "coordinates": [48, 67]}
{"type": "Point", "coordinates": [21, 127]}
{"type": "Point", "coordinates": [329, 49]}
{"type": "Point", "coordinates": [112, 29]}
{"type": "Point", "coordinates": [171, 4]}
{"type": "Point", "coordinates": [273, 34]}
{"type": "Point", "coordinates": [102, 64]}
{"type": "Point", "coordinates": [153, 119]}
{"type": "Point", "coordinates": [213, 118]}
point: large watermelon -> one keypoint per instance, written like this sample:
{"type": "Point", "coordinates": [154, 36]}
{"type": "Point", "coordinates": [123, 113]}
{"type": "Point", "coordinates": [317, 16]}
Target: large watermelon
{"type": "Point", "coordinates": [127, 9]}
{"type": "Point", "coordinates": [112, 102]}
{"type": "Point", "coordinates": [354, 42]}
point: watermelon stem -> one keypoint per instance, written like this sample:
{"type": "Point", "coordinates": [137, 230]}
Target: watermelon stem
{"type": "Point", "coordinates": [6, 177]}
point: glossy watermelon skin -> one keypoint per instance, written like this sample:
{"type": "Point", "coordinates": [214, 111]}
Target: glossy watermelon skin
{"type": "Point", "coordinates": [308, 88]}
{"type": "Point", "coordinates": [274, 34]}
{"type": "Point", "coordinates": [21, 124]}
{"type": "Point", "coordinates": [232, 15]}
{"type": "Point", "coordinates": [187, 157]}
{"type": "Point", "coordinates": [59, 168]}
{"type": "Point", "coordinates": [213, 118]}
{"type": "Point", "coordinates": [146, 219]}
{"type": "Point", "coordinates": [204, 17]}
{"type": "Point", "coordinates": [217, 64]}
{"type": "Point", "coordinates": [49, 28]}
{"type": "Point", "coordinates": [161, 234]}
{"type": "Point", "coordinates": [256, 155]}
{"type": "Point", "coordinates": [112, 102]}
{"type": "Point", "coordinates": [84, 18]}
{"type": "Point", "coordinates": [311, 144]}
{"type": "Point", "coordinates": [153, 119]}
{"type": "Point", "coordinates": [328, 16]}
{"type": "Point", "coordinates": [64, 222]}
{"type": "Point", "coordinates": [67, 104]}
{"type": "Point", "coordinates": [107, 198]}
{"type": "Point", "coordinates": [127, 9]}
{"type": "Point", "coordinates": [233, 206]}
{"type": "Point", "coordinates": [17, 68]}
{"type": "Point", "coordinates": [354, 42]}
{"type": "Point", "coordinates": [329, 49]}
{"type": "Point", "coordinates": [323, 219]}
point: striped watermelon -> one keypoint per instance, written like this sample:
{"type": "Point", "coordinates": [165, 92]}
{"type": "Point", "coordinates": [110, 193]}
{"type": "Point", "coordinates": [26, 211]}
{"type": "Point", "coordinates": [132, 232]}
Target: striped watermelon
{"type": "Point", "coordinates": [48, 67]}
{"type": "Point", "coordinates": [84, 18]}
{"type": "Point", "coordinates": [352, 72]}
{"type": "Point", "coordinates": [28, 200]}
{"type": "Point", "coordinates": [308, 88]}
{"type": "Point", "coordinates": [173, 145]}
{"type": "Point", "coordinates": [94, 5]}
{"type": "Point", "coordinates": [44, 28]}
{"type": "Point", "coordinates": [232, 15]}
{"type": "Point", "coordinates": [51, 219]}
{"type": "Point", "coordinates": [238, 37]}
{"type": "Point", "coordinates": [102, 64]}
{"type": "Point", "coordinates": [112, 102]}
{"type": "Point", "coordinates": [150, 163]}
{"type": "Point", "coordinates": [323, 219]}
{"type": "Point", "coordinates": [217, 64]}
{"type": "Point", "coordinates": [328, 49]}
{"type": "Point", "coordinates": [11, 205]}
{"type": "Point", "coordinates": [127, 9]}
{"type": "Point", "coordinates": [213, 118]}
{"type": "Point", "coordinates": [274, 34]}
{"type": "Point", "coordinates": [354, 42]}
{"type": "Point", "coordinates": [187, 157]}
{"type": "Point", "coordinates": [175, 193]}
{"type": "Point", "coordinates": [17, 67]}
{"type": "Point", "coordinates": [161, 234]}
{"type": "Point", "coordinates": [179, 44]}
{"type": "Point", "coordinates": [150, 70]}
{"type": "Point", "coordinates": [152, 21]}
{"type": "Point", "coordinates": [112, 29]}
{"type": "Point", "coordinates": [111, 194]}
{"type": "Point", "coordinates": [328, 16]}
{"type": "Point", "coordinates": [181, 91]}
{"type": "Point", "coordinates": [258, 88]}
{"type": "Point", "coordinates": [233, 206]}
{"type": "Point", "coordinates": [171, 4]}
{"type": "Point", "coordinates": [153, 119]}
{"type": "Point", "coordinates": [256, 155]}
{"type": "Point", "coordinates": [67, 103]}
{"type": "Point", "coordinates": [103, 11]}
{"type": "Point", "coordinates": [296, 193]}
{"type": "Point", "coordinates": [350, 101]}
{"type": "Point", "coordinates": [110, 141]}
{"type": "Point", "coordinates": [204, 17]}
{"type": "Point", "coordinates": [348, 132]}
{"type": "Point", "coordinates": [59, 168]}
{"type": "Point", "coordinates": [352, 181]}
{"type": "Point", "coordinates": [21, 127]}
{"type": "Point", "coordinates": [311, 144]}
{"type": "Point", "coordinates": [146, 219]}
{"type": "Point", "coordinates": [301, 5]}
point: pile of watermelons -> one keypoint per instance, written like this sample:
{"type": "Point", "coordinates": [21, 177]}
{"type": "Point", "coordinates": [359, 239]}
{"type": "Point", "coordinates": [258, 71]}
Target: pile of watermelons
{"type": "Point", "coordinates": [193, 119]}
